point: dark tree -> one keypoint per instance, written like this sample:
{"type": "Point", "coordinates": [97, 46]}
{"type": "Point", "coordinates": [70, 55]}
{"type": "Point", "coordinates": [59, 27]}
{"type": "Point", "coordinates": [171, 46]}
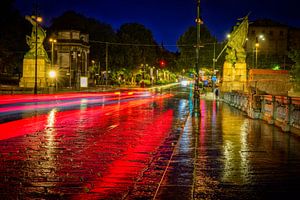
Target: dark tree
{"type": "Point", "coordinates": [13, 45]}
{"type": "Point", "coordinates": [295, 56]}
{"type": "Point", "coordinates": [137, 46]}
{"type": "Point", "coordinates": [187, 44]}
{"type": "Point", "coordinates": [99, 33]}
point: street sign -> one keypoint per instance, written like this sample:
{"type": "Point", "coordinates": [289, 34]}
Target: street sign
{"type": "Point", "coordinates": [83, 81]}
{"type": "Point", "coordinates": [214, 78]}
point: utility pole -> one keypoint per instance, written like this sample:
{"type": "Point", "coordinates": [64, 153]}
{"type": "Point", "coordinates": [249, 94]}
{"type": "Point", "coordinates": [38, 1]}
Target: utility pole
{"type": "Point", "coordinates": [214, 67]}
{"type": "Point", "coordinates": [36, 52]}
{"type": "Point", "coordinates": [198, 22]}
{"type": "Point", "coordinates": [256, 51]}
{"type": "Point", "coordinates": [106, 62]}
{"type": "Point", "coordinates": [99, 72]}
{"type": "Point", "coordinates": [214, 59]}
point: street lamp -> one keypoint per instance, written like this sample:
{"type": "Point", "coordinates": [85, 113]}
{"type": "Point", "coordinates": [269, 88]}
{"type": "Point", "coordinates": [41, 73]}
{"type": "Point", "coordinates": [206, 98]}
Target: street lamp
{"type": "Point", "coordinates": [37, 20]}
{"type": "Point", "coordinates": [198, 22]}
{"type": "Point", "coordinates": [52, 53]}
{"type": "Point", "coordinates": [143, 67]}
{"type": "Point", "coordinates": [95, 74]}
{"type": "Point", "coordinates": [78, 63]}
{"type": "Point", "coordinates": [52, 50]}
{"type": "Point", "coordinates": [260, 37]}
{"type": "Point", "coordinates": [53, 75]}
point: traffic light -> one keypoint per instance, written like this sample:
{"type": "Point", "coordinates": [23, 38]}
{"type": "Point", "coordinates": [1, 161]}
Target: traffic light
{"type": "Point", "coordinates": [162, 63]}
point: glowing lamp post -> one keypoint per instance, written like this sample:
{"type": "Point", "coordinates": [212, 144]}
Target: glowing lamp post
{"type": "Point", "coordinates": [260, 37]}
{"type": "Point", "coordinates": [53, 76]}
{"type": "Point", "coordinates": [256, 51]}
{"type": "Point", "coordinates": [52, 41]}
{"type": "Point", "coordinates": [52, 73]}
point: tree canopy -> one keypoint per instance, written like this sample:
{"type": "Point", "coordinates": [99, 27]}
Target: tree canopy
{"type": "Point", "coordinates": [295, 56]}
{"type": "Point", "coordinates": [137, 46]}
{"type": "Point", "coordinates": [12, 37]}
{"type": "Point", "coordinates": [187, 44]}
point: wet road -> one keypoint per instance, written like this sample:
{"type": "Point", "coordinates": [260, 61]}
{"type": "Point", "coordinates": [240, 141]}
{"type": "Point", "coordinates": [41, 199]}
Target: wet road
{"type": "Point", "coordinates": [141, 145]}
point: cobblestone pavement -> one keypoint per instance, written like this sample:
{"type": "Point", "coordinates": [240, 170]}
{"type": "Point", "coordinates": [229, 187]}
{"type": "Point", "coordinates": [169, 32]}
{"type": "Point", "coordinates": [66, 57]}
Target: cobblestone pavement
{"type": "Point", "coordinates": [145, 147]}
{"type": "Point", "coordinates": [83, 152]}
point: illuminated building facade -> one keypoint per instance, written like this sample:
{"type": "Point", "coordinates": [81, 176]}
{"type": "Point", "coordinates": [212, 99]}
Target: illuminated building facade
{"type": "Point", "coordinates": [272, 50]}
{"type": "Point", "coordinates": [71, 59]}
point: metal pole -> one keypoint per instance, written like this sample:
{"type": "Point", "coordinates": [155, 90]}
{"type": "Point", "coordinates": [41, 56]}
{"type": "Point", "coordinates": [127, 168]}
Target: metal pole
{"type": "Point", "coordinates": [214, 62]}
{"type": "Point", "coordinates": [106, 62]}
{"type": "Point", "coordinates": [52, 49]}
{"type": "Point", "coordinates": [253, 49]}
{"type": "Point", "coordinates": [256, 51]}
{"type": "Point", "coordinates": [256, 56]}
{"type": "Point", "coordinates": [214, 59]}
{"type": "Point", "coordinates": [36, 51]}
{"type": "Point", "coordinates": [198, 21]}
{"type": "Point", "coordinates": [99, 73]}
{"type": "Point", "coordinates": [71, 57]}
{"type": "Point", "coordinates": [77, 73]}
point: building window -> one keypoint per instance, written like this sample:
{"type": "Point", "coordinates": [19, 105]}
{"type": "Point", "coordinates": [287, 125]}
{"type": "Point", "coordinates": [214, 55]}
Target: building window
{"type": "Point", "coordinates": [281, 33]}
{"type": "Point", "coordinates": [271, 33]}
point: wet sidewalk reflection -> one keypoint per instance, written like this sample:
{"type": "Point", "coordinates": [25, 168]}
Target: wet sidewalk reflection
{"type": "Point", "coordinates": [241, 158]}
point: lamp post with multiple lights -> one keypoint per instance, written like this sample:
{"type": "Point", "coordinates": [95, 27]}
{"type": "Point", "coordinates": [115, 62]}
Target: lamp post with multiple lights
{"type": "Point", "coordinates": [257, 38]}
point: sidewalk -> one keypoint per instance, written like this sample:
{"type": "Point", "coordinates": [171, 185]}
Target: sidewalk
{"type": "Point", "coordinates": [208, 96]}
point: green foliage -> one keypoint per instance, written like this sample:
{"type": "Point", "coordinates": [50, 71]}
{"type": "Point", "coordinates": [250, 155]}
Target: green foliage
{"type": "Point", "coordinates": [187, 43]}
{"type": "Point", "coordinates": [146, 82]}
{"type": "Point", "coordinates": [161, 82]}
{"type": "Point", "coordinates": [12, 38]}
{"type": "Point", "coordinates": [295, 72]}
{"type": "Point", "coordinates": [276, 67]}
{"type": "Point", "coordinates": [132, 56]}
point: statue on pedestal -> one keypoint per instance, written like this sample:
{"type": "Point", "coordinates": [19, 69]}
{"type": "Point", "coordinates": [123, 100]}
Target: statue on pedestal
{"type": "Point", "coordinates": [235, 46]}
{"type": "Point", "coordinates": [38, 35]}
{"type": "Point", "coordinates": [234, 68]}
{"type": "Point", "coordinates": [36, 62]}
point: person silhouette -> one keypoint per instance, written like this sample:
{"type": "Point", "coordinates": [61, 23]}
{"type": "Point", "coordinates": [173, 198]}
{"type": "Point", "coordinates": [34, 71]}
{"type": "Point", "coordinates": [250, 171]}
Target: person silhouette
{"type": "Point", "coordinates": [217, 93]}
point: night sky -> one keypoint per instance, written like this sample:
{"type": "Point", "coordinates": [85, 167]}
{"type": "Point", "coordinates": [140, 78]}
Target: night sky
{"type": "Point", "coordinates": [168, 19]}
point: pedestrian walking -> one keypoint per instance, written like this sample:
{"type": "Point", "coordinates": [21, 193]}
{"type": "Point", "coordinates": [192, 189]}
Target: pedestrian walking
{"type": "Point", "coordinates": [216, 93]}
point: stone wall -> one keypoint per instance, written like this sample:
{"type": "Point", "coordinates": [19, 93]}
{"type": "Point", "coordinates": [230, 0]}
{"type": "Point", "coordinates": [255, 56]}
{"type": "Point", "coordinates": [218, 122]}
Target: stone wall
{"type": "Point", "coordinates": [282, 111]}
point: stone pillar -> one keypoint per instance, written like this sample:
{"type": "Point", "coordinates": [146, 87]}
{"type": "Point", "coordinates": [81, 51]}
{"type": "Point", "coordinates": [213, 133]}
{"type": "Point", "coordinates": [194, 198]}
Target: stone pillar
{"type": "Point", "coordinates": [289, 107]}
{"type": "Point", "coordinates": [273, 114]}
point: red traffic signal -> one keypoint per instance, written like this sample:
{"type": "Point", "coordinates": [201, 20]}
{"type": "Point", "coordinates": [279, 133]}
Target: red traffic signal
{"type": "Point", "coordinates": [162, 63]}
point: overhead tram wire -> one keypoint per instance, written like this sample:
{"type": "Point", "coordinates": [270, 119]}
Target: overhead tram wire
{"type": "Point", "coordinates": [136, 44]}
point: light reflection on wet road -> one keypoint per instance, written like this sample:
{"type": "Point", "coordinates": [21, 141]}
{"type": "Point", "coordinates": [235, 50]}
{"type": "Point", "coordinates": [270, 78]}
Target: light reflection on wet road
{"type": "Point", "coordinates": [241, 158]}
{"type": "Point", "coordinates": [142, 146]}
